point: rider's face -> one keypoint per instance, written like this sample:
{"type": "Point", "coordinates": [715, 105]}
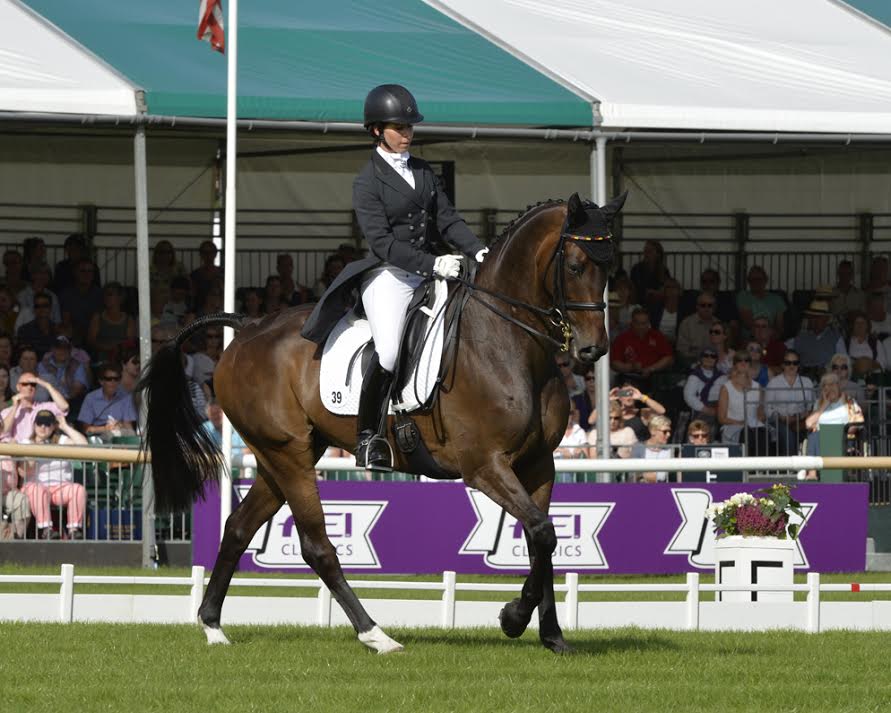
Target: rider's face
{"type": "Point", "coordinates": [397, 137]}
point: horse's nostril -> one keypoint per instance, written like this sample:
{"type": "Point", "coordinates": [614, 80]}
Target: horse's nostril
{"type": "Point", "coordinates": [591, 354]}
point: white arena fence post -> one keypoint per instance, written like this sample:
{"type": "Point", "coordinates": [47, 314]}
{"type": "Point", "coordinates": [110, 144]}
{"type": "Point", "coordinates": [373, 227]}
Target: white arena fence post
{"type": "Point", "coordinates": [572, 600]}
{"type": "Point", "coordinates": [813, 602]}
{"type": "Point", "coordinates": [449, 580]}
{"type": "Point", "coordinates": [324, 605]}
{"type": "Point", "coordinates": [196, 594]}
{"type": "Point", "coordinates": [66, 594]}
{"type": "Point", "coordinates": [693, 601]}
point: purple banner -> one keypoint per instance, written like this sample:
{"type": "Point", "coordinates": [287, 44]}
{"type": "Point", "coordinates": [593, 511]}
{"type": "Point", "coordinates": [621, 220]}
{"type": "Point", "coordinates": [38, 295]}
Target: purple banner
{"type": "Point", "coordinates": [395, 528]}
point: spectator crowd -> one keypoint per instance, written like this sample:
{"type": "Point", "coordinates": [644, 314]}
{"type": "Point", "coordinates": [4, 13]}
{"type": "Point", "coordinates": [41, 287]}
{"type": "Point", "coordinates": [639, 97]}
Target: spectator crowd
{"type": "Point", "coordinates": [711, 366]}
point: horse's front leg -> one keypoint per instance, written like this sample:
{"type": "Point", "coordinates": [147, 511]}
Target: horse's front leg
{"type": "Point", "coordinates": [498, 480]}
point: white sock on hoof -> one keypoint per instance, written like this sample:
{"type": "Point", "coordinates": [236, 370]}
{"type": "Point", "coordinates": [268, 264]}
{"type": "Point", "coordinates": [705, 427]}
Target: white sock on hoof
{"type": "Point", "coordinates": [214, 635]}
{"type": "Point", "coordinates": [376, 639]}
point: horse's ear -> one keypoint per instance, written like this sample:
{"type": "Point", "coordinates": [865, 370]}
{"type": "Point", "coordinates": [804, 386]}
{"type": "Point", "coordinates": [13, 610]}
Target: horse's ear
{"type": "Point", "coordinates": [575, 210]}
{"type": "Point", "coordinates": [614, 206]}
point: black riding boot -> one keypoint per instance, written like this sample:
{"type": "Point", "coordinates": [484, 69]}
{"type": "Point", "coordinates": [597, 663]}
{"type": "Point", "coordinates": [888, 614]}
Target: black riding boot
{"type": "Point", "coordinates": [373, 451]}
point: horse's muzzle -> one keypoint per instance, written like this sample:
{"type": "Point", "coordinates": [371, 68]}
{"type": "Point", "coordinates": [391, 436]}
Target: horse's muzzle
{"type": "Point", "coordinates": [591, 354]}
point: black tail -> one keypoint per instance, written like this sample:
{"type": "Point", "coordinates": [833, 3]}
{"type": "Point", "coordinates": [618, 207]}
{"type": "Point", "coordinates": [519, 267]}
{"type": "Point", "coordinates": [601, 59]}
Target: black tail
{"type": "Point", "coordinates": [184, 456]}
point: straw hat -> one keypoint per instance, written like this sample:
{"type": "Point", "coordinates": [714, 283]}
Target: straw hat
{"type": "Point", "coordinates": [818, 308]}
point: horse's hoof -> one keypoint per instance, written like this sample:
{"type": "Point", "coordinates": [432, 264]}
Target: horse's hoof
{"type": "Point", "coordinates": [558, 645]}
{"type": "Point", "coordinates": [214, 634]}
{"type": "Point", "coordinates": [377, 640]}
{"type": "Point", "coordinates": [513, 622]}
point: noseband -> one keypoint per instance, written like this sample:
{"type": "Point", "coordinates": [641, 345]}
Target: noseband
{"type": "Point", "coordinates": [558, 314]}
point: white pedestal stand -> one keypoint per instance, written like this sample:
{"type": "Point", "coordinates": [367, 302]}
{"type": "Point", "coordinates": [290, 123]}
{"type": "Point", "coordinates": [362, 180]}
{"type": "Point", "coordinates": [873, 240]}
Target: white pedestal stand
{"type": "Point", "coordinates": [754, 560]}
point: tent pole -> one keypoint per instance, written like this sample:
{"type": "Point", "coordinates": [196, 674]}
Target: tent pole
{"type": "Point", "coordinates": [229, 242]}
{"type": "Point", "coordinates": [598, 194]}
{"type": "Point", "coordinates": [149, 550]}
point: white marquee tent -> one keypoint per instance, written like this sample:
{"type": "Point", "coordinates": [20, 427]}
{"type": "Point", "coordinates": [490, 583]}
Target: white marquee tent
{"type": "Point", "coordinates": [761, 65]}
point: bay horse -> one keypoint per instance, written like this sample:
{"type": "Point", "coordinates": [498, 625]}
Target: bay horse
{"type": "Point", "coordinates": [539, 291]}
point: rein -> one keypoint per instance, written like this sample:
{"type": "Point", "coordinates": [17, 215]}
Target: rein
{"type": "Point", "coordinates": [557, 314]}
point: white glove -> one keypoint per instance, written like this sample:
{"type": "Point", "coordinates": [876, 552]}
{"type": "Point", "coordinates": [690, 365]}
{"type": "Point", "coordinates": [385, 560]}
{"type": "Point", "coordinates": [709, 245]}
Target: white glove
{"type": "Point", "coordinates": [481, 255]}
{"type": "Point", "coordinates": [447, 265]}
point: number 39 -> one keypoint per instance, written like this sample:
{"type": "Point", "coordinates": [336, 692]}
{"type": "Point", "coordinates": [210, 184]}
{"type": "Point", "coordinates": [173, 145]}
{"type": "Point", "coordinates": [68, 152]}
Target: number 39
{"type": "Point", "coordinates": [336, 397]}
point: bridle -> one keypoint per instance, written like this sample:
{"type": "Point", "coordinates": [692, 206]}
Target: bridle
{"type": "Point", "coordinates": [558, 313]}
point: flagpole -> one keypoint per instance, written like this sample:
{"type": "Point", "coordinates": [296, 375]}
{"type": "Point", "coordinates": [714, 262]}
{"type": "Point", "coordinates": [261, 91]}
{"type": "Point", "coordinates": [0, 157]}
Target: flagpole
{"type": "Point", "coordinates": [229, 240]}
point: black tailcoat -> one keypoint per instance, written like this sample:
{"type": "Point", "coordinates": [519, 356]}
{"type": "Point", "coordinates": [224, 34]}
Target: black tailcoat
{"type": "Point", "coordinates": [405, 227]}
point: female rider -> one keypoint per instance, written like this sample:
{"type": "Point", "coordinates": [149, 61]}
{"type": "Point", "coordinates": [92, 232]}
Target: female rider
{"type": "Point", "coordinates": [404, 215]}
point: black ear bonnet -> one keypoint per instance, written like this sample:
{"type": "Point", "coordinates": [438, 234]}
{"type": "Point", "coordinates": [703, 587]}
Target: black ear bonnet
{"type": "Point", "coordinates": [588, 226]}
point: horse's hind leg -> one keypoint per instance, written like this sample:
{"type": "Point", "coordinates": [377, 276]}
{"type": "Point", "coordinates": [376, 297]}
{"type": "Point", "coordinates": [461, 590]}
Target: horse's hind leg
{"type": "Point", "coordinates": [302, 494]}
{"type": "Point", "coordinates": [262, 501]}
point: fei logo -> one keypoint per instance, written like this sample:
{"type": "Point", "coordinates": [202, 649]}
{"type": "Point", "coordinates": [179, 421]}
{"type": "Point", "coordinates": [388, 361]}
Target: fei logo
{"type": "Point", "coordinates": [695, 538]}
{"type": "Point", "coordinates": [500, 538]}
{"type": "Point", "coordinates": [348, 523]}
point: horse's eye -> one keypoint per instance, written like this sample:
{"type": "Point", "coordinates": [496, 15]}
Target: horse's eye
{"type": "Point", "coordinates": [577, 269]}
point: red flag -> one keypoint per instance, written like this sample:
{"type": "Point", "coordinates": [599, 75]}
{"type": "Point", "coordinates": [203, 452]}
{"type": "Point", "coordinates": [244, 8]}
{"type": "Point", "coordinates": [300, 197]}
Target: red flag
{"type": "Point", "coordinates": [210, 24]}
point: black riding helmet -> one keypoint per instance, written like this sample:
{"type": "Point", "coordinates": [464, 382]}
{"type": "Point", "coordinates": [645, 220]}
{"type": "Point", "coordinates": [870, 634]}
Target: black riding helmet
{"type": "Point", "coordinates": [391, 104]}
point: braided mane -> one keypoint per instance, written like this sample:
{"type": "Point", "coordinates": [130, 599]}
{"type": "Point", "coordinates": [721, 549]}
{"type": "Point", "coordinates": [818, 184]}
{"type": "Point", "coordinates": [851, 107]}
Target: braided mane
{"type": "Point", "coordinates": [524, 217]}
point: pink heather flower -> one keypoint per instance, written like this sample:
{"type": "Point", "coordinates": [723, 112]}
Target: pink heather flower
{"type": "Point", "coordinates": [751, 521]}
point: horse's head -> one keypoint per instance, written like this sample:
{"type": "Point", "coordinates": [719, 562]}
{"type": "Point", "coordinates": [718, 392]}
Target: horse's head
{"type": "Point", "coordinates": [582, 262]}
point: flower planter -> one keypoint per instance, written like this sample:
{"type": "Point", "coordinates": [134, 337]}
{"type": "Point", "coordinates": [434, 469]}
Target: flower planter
{"type": "Point", "coordinates": [754, 560]}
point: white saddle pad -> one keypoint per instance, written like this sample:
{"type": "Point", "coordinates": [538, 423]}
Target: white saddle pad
{"type": "Point", "coordinates": [350, 335]}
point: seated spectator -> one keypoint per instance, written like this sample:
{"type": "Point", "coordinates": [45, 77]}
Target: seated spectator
{"type": "Point", "coordinates": [621, 437]}
{"type": "Point", "coordinates": [252, 303]}
{"type": "Point", "coordinates": [757, 370]}
{"type": "Point", "coordinates": [9, 312]}
{"type": "Point", "coordinates": [693, 333]}
{"type": "Point", "coordinates": [207, 274]}
{"type": "Point", "coordinates": [15, 502]}
{"type": "Point", "coordinates": [67, 374]}
{"type": "Point", "coordinates": [703, 386]}
{"type": "Point", "coordinates": [212, 302]}
{"type": "Point", "coordinates": [161, 335]}
{"type": "Point", "coordinates": [81, 300]}
{"type": "Point", "coordinates": [866, 351]}
{"type": "Point", "coordinates": [665, 316]}
{"type": "Point", "coordinates": [66, 272]}
{"type": "Point", "coordinates": [586, 402]}
{"type": "Point", "coordinates": [741, 407]}
{"type": "Point", "coordinates": [40, 332]}
{"type": "Point", "coordinates": [574, 444]}
{"type": "Point", "coordinates": [177, 307]}
{"type": "Point", "coordinates": [625, 304]}
{"type": "Point", "coordinates": [725, 302]}
{"type": "Point", "coordinates": [5, 387]}
{"type": "Point", "coordinates": [205, 361]}
{"type": "Point", "coordinates": [878, 275]}
{"type": "Point", "coordinates": [164, 266]}
{"type": "Point", "coordinates": [272, 295]}
{"type": "Point", "coordinates": [628, 397]}
{"type": "Point", "coordinates": [334, 264]}
{"type": "Point", "coordinates": [772, 349]}
{"type": "Point", "coordinates": [39, 285]}
{"type": "Point", "coordinates": [26, 361]}
{"type": "Point", "coordinates": [846, 297]}
{"type": "Point", "coordinates": [14, 264]}
{"type": "Point", "coordinates": [109, 410]}
{"type": "Point", "coordinates": [641, 350]}
{"type": "Point", "coordinates": [758, 301]}
{"type": "Point", "coordinates": [656, 446]}
{"type": "Point", "coordinates": [840, 365]}
{"type": "Point", "coordinates": [832, 407]}
{"type": "Point", "coordinates": [18, 419]}
{"type": "Point", "coordinates": [130, 371]}
{"type": "Point", "coordinates": [575, 384]}
{"type": "Point", "coordinates": [877, 312]}
{"type": "Point", "coordinates": [5, 351]}
{"type": "Point", "coordinates": [293, 293]}
{"type": "Point", "coordinates": [786, 402]}
{"type": "Point", "coordinates": [699, 433]}
{"type": "Point", "coordinates": [52, 482]}
{"type": "Point", "coordinates": [33, 255]}
{"type": "Point", "coordinates": [214, 428]}
{"type": "Point", "coordinates": [112, 327]}
{"type": "Point", "coordinates": [719, 340]}
{"type": "Point", "coordinates": [649, 275]}
{"type": "Point", "coordinates": [820, 340]}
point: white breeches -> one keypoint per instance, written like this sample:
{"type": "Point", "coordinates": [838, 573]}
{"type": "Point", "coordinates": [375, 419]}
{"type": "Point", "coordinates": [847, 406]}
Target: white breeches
{"type": "Point", "coordinates": [386, 293]}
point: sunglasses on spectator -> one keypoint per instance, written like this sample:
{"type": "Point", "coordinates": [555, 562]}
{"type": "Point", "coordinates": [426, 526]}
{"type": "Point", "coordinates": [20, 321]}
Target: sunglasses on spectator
{"type": "Point", "coordinates": [666, 431]}
{"type": "Point", "coordinates": [45, 421]}
{"type": "Point", "coordinates": [839, 367]}
{"type": "Point", "coordinates": [716, 331]}
{"type": "Point", "coordinates": [110, 377]}
{"type": "Point", "coordinates": [737, 360]}
{"type": "Point", "coordinates": [709, 355]}
{"type": "Point", "coordinates": [698, 435]}
{"type": "Point", "coordinates": [32, 384]}
{"type": "Point", "coordinates": [789, 362]}
{"type": "Point", "coordinates": [590, 378]}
